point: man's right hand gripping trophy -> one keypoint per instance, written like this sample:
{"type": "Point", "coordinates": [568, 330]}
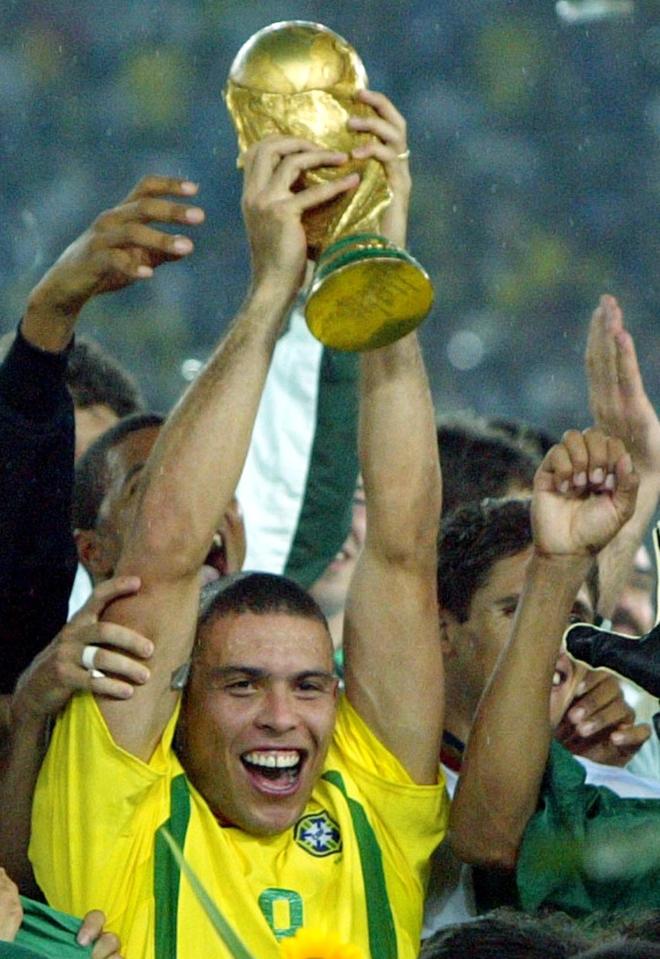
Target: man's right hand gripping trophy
{"type": "Point", "coordinates": [301, 79]}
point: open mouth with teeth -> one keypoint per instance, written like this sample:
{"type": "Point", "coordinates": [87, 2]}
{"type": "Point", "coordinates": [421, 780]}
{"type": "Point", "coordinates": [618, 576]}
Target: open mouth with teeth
{"type": "Point", "coordinates": [274, 771]}
{"type": "Point", "coordinates": [215, 565]}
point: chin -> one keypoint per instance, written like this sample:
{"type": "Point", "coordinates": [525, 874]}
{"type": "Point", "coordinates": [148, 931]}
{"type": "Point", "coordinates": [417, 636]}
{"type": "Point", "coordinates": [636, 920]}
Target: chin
{"type": "Point", "coordinates": [270, 823]}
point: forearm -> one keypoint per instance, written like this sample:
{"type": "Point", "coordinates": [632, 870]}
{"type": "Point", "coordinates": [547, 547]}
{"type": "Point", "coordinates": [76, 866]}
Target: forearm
{"type": "Point", "coordinates": [196, 463]}
{"type": "Point", "coordinates": [187, 484]}
{"type": "Point", "coordinates": [398, 453]}
{"type": "Point", "coordinates": [615, 562]}
{"type": "Point", "coordinates": [510, 736]}
{"type": "Point", "coordinates": [32, 380]}
{"type": "Point", "coordinates": [46, 325]}
{"type": "Point", "coordinates": [394, 672]}
{"type": "Point", "coordinates": [21, 753]}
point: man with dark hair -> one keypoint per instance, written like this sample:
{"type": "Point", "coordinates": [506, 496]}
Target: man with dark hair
{"type": "Point", "coordinates": [484, 550]}
{"type": "Point", "coordinates": [296, 807]}
{"type": "Point", "coordinates": [480, 462]}
{"type": "Point", "coordinates": [523, 803]}
{"type": "Point", "coordinates": [483, 553]}
{"type": "Point", "coordinates": [93, 472]}
{"type": "Point", "coordinates": [506, 934]}
{"type": "Point", "coordinates": [105, 479]}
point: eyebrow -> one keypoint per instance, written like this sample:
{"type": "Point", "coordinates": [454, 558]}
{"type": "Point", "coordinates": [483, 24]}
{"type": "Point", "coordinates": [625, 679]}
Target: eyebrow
{"type": "Point", "coordinates": [252, 672]}
{"type": "Point", "coordinates": [512, 600]}
{"type": "Point", "coordinates": [579, 607]}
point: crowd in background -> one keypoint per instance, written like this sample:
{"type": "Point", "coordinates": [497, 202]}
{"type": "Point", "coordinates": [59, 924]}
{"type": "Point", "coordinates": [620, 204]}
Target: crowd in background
{"type": "Point", "coordinates": [535, 147]}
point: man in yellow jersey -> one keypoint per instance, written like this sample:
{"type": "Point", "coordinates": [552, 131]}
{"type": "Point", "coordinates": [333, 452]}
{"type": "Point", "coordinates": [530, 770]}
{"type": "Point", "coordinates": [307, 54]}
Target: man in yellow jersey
{"type": "Point", "coordinates": [294, 806]}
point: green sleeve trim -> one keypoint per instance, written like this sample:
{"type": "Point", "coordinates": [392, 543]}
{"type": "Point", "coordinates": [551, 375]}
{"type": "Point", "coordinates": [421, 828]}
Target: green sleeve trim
{"type": "Point", "coordinates": [380, 921]}
{"type": "Point", "coordinates": [167, 876]}
{"type": "Point", "coordinates": [326, 512]}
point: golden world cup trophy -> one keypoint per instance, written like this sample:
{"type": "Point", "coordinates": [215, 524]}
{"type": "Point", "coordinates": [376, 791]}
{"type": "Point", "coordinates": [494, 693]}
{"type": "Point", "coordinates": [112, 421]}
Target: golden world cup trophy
{"type": "Point", "coordinates": [300, 79]}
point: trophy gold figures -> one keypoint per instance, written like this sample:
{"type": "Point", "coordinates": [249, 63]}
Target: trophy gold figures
{"type": "Point", "coordinates": [297, 78]}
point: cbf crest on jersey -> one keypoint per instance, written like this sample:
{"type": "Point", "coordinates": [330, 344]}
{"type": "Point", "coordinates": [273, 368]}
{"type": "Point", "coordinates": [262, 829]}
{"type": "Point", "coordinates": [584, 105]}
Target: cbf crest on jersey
{"type": "Point", "coordinates": [318, 834]}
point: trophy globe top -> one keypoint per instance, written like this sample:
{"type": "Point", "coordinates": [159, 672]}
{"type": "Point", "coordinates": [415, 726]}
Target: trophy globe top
{"type": "Point", "coordinates": [297, 56]}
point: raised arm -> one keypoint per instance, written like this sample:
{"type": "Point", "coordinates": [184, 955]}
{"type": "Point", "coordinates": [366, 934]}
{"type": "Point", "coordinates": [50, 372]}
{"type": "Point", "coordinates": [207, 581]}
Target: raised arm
{"type": "Point", "coordinates": [393, 664]}
{"type": "Point", "coordinates": [621, 407]}
{"type": "Point", "coordinates": [194, 467]}
{"type": "Point", "coordinates": [584, 491]}
{"type": "Point", "coordinates": [36, 414]}
{"type": "Point", "coordinates": [393, 661]}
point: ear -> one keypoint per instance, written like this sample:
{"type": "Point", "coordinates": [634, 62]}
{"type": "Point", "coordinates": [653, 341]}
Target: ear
{"type": "Point", "coordinates": [92, 554]}
{"type": "Point", "coordinates": [448, 632]}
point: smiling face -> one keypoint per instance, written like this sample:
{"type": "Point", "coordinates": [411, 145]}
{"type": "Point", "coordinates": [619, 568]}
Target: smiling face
{"type": "Point", "coordinates": [258, 717]}
{"type": "Point", "coordinates": [472, 648]}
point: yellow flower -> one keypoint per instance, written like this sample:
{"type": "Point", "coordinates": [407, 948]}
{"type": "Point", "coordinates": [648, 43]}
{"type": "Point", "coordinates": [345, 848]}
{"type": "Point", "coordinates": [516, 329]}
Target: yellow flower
{"type": "Point", "coordinates": [315, 944]}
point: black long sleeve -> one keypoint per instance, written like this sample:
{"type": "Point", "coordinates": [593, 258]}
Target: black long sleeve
{"type": "Point", "coordinates": [37, 551]}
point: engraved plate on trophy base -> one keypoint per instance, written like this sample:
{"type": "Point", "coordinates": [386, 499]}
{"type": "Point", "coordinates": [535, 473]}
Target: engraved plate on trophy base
{"type": "Point", "coordinates": [366, 292]}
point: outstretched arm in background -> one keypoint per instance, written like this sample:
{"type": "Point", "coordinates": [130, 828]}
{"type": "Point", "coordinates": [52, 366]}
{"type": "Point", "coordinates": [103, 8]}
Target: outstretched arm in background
{"type": "Point", "coordinates": [584, 491]}
{"type": "Point", "coordinates": [38, 558]}
{"type": "Point", "coordinates": [190, 478]}
{"type": "Point", "coordinates": [621, 407]}
{"type": "Point", "coordinates": [118, 248]}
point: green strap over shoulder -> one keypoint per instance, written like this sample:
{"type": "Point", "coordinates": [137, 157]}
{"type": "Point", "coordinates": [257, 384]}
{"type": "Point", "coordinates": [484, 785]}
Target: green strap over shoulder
{"type": "Point", "coordinates": [382, 933]}
{"type": "Point", "coordinates": [167, 875]}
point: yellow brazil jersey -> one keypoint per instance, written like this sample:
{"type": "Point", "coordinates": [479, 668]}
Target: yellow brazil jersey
{"type": "Point", "coordinates": [354, 863]}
